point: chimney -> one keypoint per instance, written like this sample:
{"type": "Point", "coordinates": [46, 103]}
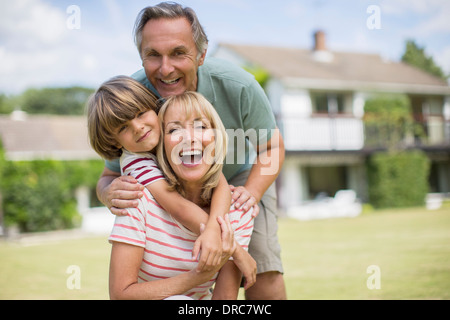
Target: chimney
{"type": "Point", "coordinates": [320, 52]}
{"type": "Point", "coordinates": [319, 41]}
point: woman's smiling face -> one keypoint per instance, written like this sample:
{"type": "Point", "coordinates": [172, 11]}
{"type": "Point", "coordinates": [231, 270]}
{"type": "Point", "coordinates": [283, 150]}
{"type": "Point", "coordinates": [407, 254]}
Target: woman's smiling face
{"type": "Point", "coordinates": [188, 144]}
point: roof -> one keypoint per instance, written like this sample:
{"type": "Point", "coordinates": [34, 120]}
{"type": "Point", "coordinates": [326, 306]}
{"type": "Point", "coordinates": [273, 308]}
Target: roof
{"type": "Point", "coordinates": [32, 137]}
{"type": "Point", "coordinates": [346, 69]}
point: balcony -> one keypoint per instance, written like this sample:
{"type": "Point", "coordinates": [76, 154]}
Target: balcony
{"type": "Point", "coordinates": [342, 133]}
{"type": "Point", "coordinates": [322, 133]}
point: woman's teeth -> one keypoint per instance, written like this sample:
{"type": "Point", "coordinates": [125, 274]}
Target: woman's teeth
{"type": "Point", "coordinates": [191, 156]}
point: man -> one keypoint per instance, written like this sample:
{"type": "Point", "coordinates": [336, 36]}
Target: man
{"type": "Point", "coordinates": [172, 46]}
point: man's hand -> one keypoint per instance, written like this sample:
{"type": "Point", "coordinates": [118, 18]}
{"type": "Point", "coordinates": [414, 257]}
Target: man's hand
{"type": "Point", "coordinates": [242, 198]}
{"type": "Point", "coordinates": [118, 192]}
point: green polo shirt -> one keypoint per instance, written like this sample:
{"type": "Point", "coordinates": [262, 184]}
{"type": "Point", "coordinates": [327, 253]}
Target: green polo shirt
{"type": "Point", "coordinates": [241, 104]}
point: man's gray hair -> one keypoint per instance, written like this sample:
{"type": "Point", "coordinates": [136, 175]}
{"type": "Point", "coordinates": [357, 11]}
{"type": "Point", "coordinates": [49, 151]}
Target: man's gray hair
{"type": "Point", "coordinates": [170, 10]}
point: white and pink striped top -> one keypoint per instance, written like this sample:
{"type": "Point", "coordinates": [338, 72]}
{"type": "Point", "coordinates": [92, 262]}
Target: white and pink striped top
{"type": "Point", "coordinates": [168, 244]}
{"type": "Point", "coordinates": [142, 166]}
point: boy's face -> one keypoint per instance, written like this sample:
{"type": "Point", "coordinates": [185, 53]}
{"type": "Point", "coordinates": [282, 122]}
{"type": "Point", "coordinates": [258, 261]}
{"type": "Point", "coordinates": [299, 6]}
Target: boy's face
{"type": "Point", "coordinates": [140, 134]}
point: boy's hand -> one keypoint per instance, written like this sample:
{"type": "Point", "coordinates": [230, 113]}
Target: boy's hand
{"type": "Point", "coordinates": [247, 265]}
{"type": "Point", "coordinates": [209, 245]}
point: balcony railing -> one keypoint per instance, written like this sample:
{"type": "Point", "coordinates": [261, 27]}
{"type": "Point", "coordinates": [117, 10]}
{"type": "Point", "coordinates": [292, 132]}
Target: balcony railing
{"type": "Point", "coordinates": [347, 133]}
{"type": "Point", "coordinates": [322, 133]}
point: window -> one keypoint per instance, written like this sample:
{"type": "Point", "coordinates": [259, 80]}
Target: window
{"type": "Point", "coordinates": [331, 103]}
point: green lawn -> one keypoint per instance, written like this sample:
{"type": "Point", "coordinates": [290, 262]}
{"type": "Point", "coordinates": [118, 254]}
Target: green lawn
{"type": "Point", "coordinates": [323, 259]}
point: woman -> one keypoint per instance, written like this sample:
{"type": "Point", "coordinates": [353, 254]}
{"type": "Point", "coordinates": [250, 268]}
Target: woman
{"type": "Point", "coordinates": [151, 252]}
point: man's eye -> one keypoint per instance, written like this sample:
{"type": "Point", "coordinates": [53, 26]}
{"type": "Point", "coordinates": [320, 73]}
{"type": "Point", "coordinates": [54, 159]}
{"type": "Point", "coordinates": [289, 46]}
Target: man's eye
{"type": "Point", "coordinates": [178, 53]}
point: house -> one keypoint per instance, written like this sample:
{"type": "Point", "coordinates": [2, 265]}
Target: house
{"type": "Point", "coordinates": [318, 98]}
{"type": "Point", "coordinates": [40, 137]}
{"type": "Point", "coordinates": [49, 137]}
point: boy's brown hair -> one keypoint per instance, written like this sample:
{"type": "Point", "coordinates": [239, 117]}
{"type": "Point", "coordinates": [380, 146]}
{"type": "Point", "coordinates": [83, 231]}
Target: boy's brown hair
{"type": "Point", "coordinates": [115, 102]}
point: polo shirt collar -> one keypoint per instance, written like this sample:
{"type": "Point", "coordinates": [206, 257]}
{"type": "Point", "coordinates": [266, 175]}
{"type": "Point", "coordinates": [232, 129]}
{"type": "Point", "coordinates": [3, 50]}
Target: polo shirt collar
{"type": "Point", "coordinates": [205, 85]}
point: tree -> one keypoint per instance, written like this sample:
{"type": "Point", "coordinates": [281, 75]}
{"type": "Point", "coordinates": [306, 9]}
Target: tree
{"type": "Point", "coordinates": [388, 122]}
{"type": "Point", "coordinates": [63, 101]}
{"type": "Point", "coordinates": [416, 56]}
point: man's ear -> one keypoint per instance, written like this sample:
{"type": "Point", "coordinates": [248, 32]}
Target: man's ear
{"type": "Point", "coordinates": [201, 60]}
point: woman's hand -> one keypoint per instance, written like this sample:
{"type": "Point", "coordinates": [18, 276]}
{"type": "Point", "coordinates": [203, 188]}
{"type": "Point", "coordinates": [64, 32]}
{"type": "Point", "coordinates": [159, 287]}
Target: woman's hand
{"type": "Point", "coordinates": [242, 198]}
{"type": "Point", "coordinates": [209, 244]}
{"type": "Point", "coordinates": [228, 243]}
{"type": "Point", "coordinates": [228, 249]}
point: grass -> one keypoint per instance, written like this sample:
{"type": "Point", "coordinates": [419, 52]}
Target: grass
{"type": "Point", "coordinates": [323, 259]}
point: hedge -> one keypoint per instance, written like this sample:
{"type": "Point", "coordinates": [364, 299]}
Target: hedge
{"type": "Point", "coordinates": [40, 195]}
{"type": "Point", "coordinates": [398, 179]}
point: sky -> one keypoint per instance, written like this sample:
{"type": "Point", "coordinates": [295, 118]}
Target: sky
{"type": "Point", "coordinates": [49, 43]}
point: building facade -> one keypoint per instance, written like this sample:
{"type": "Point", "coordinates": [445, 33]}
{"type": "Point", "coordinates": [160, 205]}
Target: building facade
{"type": "Point", "coordinates": [318, 99]}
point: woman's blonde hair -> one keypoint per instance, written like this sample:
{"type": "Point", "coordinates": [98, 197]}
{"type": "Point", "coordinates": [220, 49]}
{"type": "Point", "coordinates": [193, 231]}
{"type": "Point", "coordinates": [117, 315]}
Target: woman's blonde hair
{"type": "Point", "coordinates": [195, 103]}
{"type": "Point", "coordinates": [115, 102]}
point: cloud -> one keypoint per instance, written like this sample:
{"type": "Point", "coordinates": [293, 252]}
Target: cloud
{"type": "Point", "coordinates": [29, 32]}
{"type": "Point", "coordinates": [27, 22]}
{"type": "Point", "coordinates": [37, 48]}
{"type": "Point", "coordinates": [442, 58]}
{"type": "Point", "coordinates": [434, 14]}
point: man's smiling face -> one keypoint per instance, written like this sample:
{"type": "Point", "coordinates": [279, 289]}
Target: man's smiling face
{"type": "Point", "coordinates": [169, 56]}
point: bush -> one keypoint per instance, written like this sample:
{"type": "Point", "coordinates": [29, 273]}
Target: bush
{"type": "Point", "coordinates": [398, 179]}
{"type": "Point", "coordinates": [388, 121]}
{"type": "Point", "coordinates": [40, 195]}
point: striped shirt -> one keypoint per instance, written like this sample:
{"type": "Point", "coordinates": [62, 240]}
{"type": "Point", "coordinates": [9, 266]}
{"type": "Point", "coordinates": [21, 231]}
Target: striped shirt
{"type": "Point", "coordinates": [142, 166]}
{"type": "Point", "coordinates": [168, 244]}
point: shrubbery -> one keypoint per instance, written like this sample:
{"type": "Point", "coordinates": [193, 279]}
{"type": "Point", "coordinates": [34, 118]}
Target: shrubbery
{"type": "Point", "coordinates": [40, 195]}
{"type": "Point", "coordinates": [398, 179]}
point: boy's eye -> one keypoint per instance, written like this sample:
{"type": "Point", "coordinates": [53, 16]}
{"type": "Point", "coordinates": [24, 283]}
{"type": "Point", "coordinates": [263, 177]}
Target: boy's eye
{"type": "Point", "coordinates": [121, 128]}
{"type": "Point", "coordinates": [141, 113]}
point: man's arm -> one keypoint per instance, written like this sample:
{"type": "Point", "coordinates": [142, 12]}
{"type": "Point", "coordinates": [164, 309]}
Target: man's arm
{"type": "Point", "coordinates": [264, 171]}
{"type": "Point", "coordinates": [118, 192]}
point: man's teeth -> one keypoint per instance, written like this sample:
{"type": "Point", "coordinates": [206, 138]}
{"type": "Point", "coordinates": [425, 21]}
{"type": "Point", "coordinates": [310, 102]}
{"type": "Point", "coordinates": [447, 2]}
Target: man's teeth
{"type": "Point", "coordinates": [169, 81]}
